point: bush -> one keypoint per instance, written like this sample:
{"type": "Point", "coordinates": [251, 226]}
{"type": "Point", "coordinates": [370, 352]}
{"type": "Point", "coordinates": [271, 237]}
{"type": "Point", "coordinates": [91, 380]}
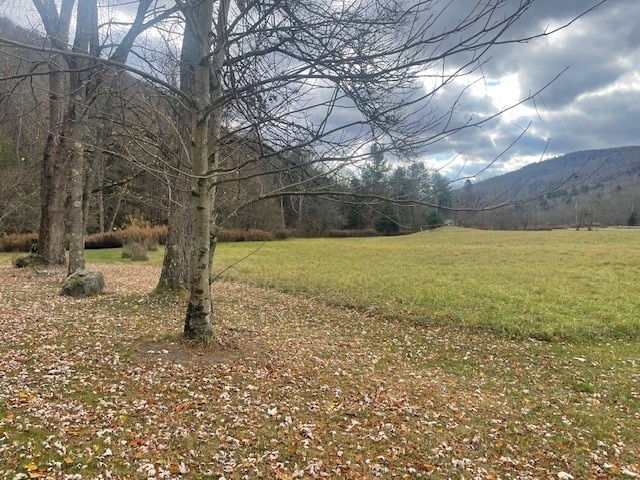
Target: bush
{"type": "Point", "coordinates": [434, 219]}
{"type": "Point", "coordinates": [387, 225]}
{"type": "Point", "coordinates": [151, 236]}
{"type": "Point", "coordinates": [139, 252]}
{"type": "Point", "coordinates": [18, 242]}
{"type": "Point", "coordinates": [127, 249]}
{"type": "Point", "coordinates": [365, 232]}
{"type": "Point", "coordinates": [239, 235]}
{"type": "Point", "coordinates": [103, 240]}
{"type": "Point", "coordinates": [136, 251]}
{"type": "Point", "coordinates": [283, 234]}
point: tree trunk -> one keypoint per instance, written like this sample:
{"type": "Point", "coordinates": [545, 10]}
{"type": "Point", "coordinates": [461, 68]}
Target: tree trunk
{"type": "Point", "coordinates": [206, 133]}
{"type": "Point", "coordinates": [86, 34]}
{"type": "Point", "coordinates": [76, 212]}
{"type": "Point", "coordinates": [55, 173]}
{"type": "Point", "coordinates": [175, 275]}
{"type": "Point", "coordinates": [175, 265]}
{"type": "Point", "coordinates": [59, 145]}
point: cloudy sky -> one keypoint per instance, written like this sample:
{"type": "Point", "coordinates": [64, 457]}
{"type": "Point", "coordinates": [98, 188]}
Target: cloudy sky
{"type": "Point", "coordinates": [594, 104]}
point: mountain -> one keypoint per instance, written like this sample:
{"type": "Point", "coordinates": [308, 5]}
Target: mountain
{"type": "Point", "coordinates": [580, 188]}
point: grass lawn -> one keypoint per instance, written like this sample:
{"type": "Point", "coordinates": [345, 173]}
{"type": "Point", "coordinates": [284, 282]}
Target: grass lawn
{"type": "Point", "coordinates": [563, 284]}
{"type": "Point", "coordinates": [405, 357]}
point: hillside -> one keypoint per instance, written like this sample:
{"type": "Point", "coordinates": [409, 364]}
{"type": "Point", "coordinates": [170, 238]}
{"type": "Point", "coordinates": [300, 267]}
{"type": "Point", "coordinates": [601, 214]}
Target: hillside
{"type": "Point", "coordinates": [587, 187]}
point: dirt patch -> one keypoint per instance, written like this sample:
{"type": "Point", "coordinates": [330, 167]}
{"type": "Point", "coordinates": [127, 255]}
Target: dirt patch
{"type": "Point", "coordinates": [237, 344]}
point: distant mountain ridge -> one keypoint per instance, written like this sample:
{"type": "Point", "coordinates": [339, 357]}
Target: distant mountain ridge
{"type": "Point", "coordinates": [575, 169]}
{"type": "Point", "coordinates": [579, 188]}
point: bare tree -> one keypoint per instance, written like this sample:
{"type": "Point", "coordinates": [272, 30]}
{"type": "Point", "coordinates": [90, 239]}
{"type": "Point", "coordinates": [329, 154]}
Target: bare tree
{"type": "Point", "coordinates": [59, 147]}
{"type": "Point", "coordinates": [287, 73]}
{"type": "Point", "coordinates": [77, 74]}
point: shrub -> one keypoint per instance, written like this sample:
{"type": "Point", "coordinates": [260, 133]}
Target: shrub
{"type": "Point", "coordinates": [387, 225]}
{"type": "Point", "coordinates": [283, 234]}
{"type": "Point", "coordinates": [136, 221]}
{"type": "Point", "coordinates": [239, 235]}
{"type": "Point", "coordinates": [127, 249]}
{"type": "Point", "coordinates": [103, 240]}
{"type": "Point", "coordinates": [151, 244]}
{"type": "Point", "coordinates": [136, 251]}
{"type": "Point", "coordinates": [152, 236]}
{"type": "Point", "coordinates": [434, 219]}
{"type": "Point", "coordinates": [365, 232]}
{"type": "Point", "coordinates": [139, 252]}
{"type": "Point", "coordinates": [18, 242]}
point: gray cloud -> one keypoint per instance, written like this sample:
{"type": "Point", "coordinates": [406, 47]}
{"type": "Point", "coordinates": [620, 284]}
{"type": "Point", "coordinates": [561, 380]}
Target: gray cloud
{"type": "Point", "coordinates": [594, 104]}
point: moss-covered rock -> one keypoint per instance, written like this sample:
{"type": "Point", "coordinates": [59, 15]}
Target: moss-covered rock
{"type": "Point", "coordinates": [31, 260]}
{"type": "Point", "coordinates": [83, 284]}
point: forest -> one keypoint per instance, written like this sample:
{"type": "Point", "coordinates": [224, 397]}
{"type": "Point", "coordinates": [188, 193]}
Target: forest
{"type": "Point", "coordinates": [129, 175]}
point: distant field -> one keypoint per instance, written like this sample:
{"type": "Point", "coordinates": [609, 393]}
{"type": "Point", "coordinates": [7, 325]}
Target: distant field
{"type": "Point", "coordinates": [553, 285]}
{"type": "Point", "coordinates": [560, 284]}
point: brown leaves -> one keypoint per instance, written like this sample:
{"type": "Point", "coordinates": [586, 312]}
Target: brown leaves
{"type": "Point", "coordinates": [183, 406]}
{"type": "Point", "coordinates": [35, 472]}
{"type": "Point", "coordinates": [311, 391]}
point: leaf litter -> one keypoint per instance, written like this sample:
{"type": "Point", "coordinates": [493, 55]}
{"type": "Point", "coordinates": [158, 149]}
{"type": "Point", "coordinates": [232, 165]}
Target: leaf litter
{"type": "Point", "coordinates": [293, 388]}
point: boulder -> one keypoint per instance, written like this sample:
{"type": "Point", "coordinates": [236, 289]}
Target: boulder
{"type": "Point", "coordinates": [26, 261]}
{"type": "Point", "coordinates": [83, 284]}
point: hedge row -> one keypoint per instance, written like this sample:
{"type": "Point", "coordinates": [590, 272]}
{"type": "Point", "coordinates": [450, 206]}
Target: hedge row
{"type": "Point", "coordinates": [18, 242]}
{"type": "Point", "coordinates": [152, 236]}
{"type": "Point", "coordinates": [366, 232]}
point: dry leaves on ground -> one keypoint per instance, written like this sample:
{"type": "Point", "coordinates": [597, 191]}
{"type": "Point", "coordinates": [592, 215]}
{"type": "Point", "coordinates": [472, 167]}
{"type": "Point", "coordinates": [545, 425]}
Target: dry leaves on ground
{"type": "Point", "coordinates": [105, 388]}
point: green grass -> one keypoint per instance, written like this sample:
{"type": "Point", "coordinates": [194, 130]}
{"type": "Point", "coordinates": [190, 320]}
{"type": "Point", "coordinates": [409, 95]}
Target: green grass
{"type": "Point", "coordinates": [557, 285]}
{"type": "Point", "coordinates": [110, 256]}
{"type": "Point", "coordinates": [553, 285]}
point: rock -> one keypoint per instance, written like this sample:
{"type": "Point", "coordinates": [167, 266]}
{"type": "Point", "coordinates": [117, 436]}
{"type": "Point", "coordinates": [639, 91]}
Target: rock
{"type": "Point", "coordinates": [83, 284]}
{"type": "Point", "coordinates": [31, 260]}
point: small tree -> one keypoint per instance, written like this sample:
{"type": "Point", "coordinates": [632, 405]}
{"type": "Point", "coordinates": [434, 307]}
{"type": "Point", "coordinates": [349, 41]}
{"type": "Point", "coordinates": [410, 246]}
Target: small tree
{"type": "Point", "coordinates": [434, 219]}
{"type": "Point", "coordinates": [387, 223]}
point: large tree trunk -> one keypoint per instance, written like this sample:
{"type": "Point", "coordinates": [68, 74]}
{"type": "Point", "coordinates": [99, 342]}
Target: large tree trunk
{"type": "Point", "coordinates": [55, 173]}
{"type": "Point", "coordinates": [86, 39]}
{"type": "Point", "coordinates": [59, 146]}
{"type": "Point", "coordinates": [175, 275]}
{"type": "Point", "coordinates": [175, 265]}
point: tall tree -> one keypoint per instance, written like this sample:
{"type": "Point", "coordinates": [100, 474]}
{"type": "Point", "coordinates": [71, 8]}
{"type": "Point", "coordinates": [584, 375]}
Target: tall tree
{"type": "Point", "coordinates": [281, 69]}
{"type": "Point", "coordinates": [59, 147]}
{"type": "Point", "coordinates": [206, 126]}
{"type": "Point", "coordinates": [86, 41]}
{"type": "Point", "coordinates": [76, 75]}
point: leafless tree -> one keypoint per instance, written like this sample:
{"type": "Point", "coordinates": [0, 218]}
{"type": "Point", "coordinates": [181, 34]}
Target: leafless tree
{"type": "Point", "coordinates": [334, 76]}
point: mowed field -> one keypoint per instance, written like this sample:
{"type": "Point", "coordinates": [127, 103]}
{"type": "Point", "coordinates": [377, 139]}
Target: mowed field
{"type": "Point", "coordinates": [447, 354]}
{"type": "Point", "coordinates": [562, 284]}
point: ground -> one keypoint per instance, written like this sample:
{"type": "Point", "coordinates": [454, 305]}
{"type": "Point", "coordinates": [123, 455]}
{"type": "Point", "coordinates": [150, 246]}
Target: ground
{"type": "Point", "coordinates": [293, 388]}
